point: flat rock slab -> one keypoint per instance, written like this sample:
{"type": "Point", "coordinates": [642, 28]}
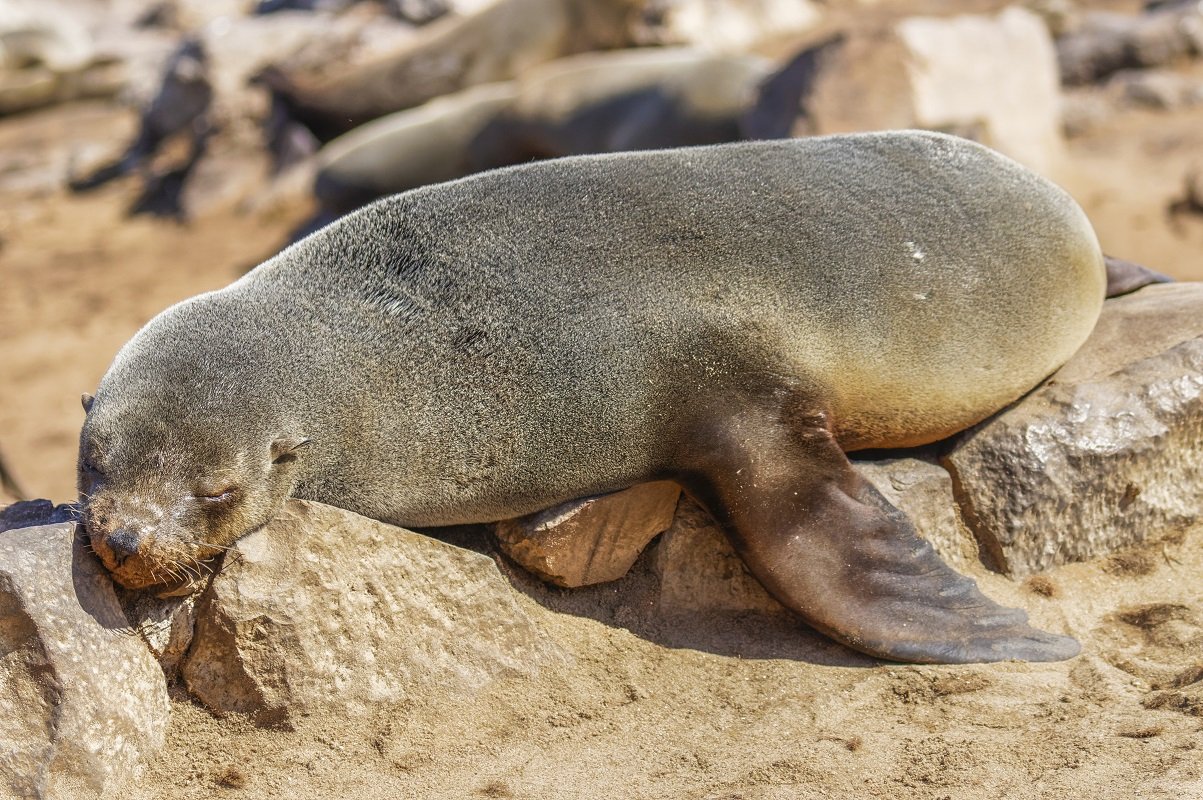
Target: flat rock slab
{"type": "Point", "coordinates": [592, 540]}
{"type": "Point", "coordinates": [327, 609]}
{"type": "Point", "coordinates": [1107, 454]}
{"type": "Point", "coordinates": [85, 703]}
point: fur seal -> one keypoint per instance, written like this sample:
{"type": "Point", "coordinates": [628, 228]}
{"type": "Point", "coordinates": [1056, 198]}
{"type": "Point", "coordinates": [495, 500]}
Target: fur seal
{"type": "Point", "coordinates": [733, 317]}
{"type": "Point", "coordinates": [497, 43]}
{"type": "Point", "coordinates": [642, 99]}
{"type": "Point", "coordinates": [181, 108]}
{"type": "Point", "coordinates": [412, 148]}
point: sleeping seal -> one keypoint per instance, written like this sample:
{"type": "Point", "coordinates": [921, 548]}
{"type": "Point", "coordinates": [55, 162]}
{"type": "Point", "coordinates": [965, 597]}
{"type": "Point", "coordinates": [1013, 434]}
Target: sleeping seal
{"type": "Point", "coordinates": [732, 317]}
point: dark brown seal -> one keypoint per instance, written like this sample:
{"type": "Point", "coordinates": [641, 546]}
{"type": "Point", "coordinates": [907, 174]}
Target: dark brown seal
{"type": "Point", "coordinates": [732, 317]}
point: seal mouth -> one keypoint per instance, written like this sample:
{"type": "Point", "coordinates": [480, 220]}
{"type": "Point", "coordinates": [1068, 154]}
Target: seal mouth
{"type": "Point", "coordinates": [150, 565]}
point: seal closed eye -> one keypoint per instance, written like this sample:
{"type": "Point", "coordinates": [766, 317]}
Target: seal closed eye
{"type": "Point", "coordinates": [734, 317]}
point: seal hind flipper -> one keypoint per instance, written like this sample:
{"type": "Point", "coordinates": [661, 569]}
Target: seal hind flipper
{"type": "Point", "coordinates": [829, 547]}
{"type": "Point", "coordinates": [1124, 277]}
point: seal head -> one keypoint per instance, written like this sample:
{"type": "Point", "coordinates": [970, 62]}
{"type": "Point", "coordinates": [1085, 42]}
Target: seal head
{"type": "Point", "coordinates": [164, 495]}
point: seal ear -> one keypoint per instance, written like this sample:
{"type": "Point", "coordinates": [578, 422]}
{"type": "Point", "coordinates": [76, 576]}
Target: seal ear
{"type": "Point", "coordinates": [285, 448]}
{"type": "Point", "coordinates": [86, 400]}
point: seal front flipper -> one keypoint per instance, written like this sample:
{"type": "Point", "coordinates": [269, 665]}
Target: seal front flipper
{"type": "Point", "coordinates": [829, 547]}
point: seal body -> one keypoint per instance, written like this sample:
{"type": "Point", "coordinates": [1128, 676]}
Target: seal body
{"type": "Point", "coordinates": [732, 317]}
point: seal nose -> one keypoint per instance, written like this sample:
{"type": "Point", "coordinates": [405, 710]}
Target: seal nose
{"type": "Point", "coordinates": [124, 543]}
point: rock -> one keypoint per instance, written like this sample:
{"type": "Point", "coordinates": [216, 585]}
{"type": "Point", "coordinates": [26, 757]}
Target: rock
{"type": "Point", "coordinates": [42, 33]}
{"type": "Point", "coordinates": [1059, 16]}
{"type": "Point", "coordinates": [1106, 453]}
{"type": "Point", "coordinates": [326, 609]}
{"type": "Point", "coordinates": [166, 624]}
{"type": "Point", "coordinates": [1107, 42]}
{"type": "Point", "coordinates": [1158, 89]}
{"type": "Point", "coordinates": [699, 571]}
{"type": "Point", "coordinates": [592, 540]}
{"type": "Point", "coordinates": [48, 56]}
{"type": "Point", "coordinates": [991, 78]}
{"type": "Point", "coordinates": [1095, 49]}
{"type": "Point", "coordinates": [28, 513]}
{"type": "Point", "coordinates": [730, 26]}
{"type": "Point", "coordinates": [1166, 36]}
{"type": "Point", "coordinates": [923, 491]}
{"type": "Point", "coordinates": [85, 702]}
{"type": "Point", "coordinates": [1085, 110]}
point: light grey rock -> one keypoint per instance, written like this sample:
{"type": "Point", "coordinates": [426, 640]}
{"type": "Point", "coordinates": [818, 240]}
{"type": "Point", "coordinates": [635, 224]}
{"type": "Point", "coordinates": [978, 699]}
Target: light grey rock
{"type": "Point", "coordinates": [324, 609]}
{"type": "Point", "coordinates": [699, 571]}
{"type": "Point", "coordinates": [993, 78]}
{"type": "Point", "coordinates": [1107, 454]}
{"type": "Point", "coordinates": [86, 703]}
{"type": "Point", "coordinates": [38, 87]}
{"type": "Point", "coordinates": [44, 33]}
{"type": "Point", "coordinates": [592, 540]}
{"type": "Point", "coordinates": [166, 624]}
{"type": "Point", "coordinates": [48, 56]}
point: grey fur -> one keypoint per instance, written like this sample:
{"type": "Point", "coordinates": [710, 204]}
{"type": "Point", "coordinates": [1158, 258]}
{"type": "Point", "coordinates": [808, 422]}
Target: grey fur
{"type": "Point", "coordinates": [486, 348]}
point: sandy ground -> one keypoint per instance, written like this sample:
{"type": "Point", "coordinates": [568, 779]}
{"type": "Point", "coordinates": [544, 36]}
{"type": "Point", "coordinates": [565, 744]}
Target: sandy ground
{"type": "Point", "coordinates": [705, 708]}
{"type": "Point", "coordinates": [750, 708]}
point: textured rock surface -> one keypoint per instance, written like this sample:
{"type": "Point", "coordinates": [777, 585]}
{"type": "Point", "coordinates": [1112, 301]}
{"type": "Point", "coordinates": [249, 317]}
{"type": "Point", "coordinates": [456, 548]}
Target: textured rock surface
{"type": "Point", "coordinates": [85, 703]}
{"type": "Point", "coordinates": [324, 608]}
{"type": "Point", "coordinates": [1108, 453]}
{"type": "Point", "coordinates": [1159, 89]}
{"type": "Point", "coordinates": [593, 540]}
{"type": "Point", "coordinates": [991, 78]}
{"type": "Point", "coordinates": [165, 624]}
{"type": "Point", "coordinates": [700, 571]}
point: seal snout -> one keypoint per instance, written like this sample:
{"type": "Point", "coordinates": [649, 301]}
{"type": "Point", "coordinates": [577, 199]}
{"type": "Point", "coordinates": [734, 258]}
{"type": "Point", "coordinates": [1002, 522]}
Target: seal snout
{"type": "Point", "coordinates": [123, 543]}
